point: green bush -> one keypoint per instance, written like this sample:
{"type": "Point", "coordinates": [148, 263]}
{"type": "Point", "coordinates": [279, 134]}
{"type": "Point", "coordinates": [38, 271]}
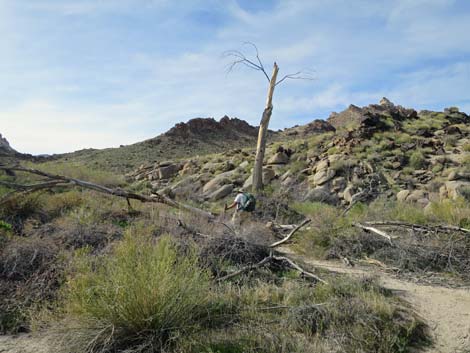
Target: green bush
{"type": "Point", "coordinates": [417, 160]}
{"type": "Point", "coordinates": [144, 295]}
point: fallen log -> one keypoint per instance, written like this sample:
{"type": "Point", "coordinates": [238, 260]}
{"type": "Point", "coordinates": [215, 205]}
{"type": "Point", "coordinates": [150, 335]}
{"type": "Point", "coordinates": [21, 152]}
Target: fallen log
{"type": "Point", "coordinates": [436, 228]}
{"type": "Point", "coordinates": [375, 231]}
{"type": "Point", "coordinates": [56, 180]}
{"type": "Point", "coordinates": [306, 221]}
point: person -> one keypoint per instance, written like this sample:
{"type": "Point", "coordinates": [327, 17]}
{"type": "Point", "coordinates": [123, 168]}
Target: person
{"type": "Point", "coordinates": [243, 202]}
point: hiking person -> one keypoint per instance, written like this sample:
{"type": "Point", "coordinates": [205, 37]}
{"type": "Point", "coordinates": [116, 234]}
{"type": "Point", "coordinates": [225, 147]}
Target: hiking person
{"type": "Point", "coordinates": [244, 202]}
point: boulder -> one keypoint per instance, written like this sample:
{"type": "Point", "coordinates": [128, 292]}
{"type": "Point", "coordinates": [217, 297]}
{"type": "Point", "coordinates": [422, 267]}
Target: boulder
{"type": "Point", "coordinates": [288, 181]}
{"type": "Point", "coordinates": [243, 165]}
{"type": "Point", "coordinates": [322, 165]}
{"type": "Point", "coordinates": [214, 184]}
{"type": "Point", "coordinates": [338, 184]}
{"type": "Point", "coordinates": [402, 195]}
{"type": "Point", "coordinates": [279, 158]}
{"type": "Point", "coordinates": [248, 182]}
{"type": "Point", "coordinates": [168, 171]}
{"type": "Point", "coordinates": [285, 175]}
{"type": "Point", "coordinates": [221, 192]}
{"type": "Point", "coordinates": [323, 176]}
{"type": "Point", "coordinates": [349, 192]}
{"type": "Point", "coordinates": [268, 175]}
{"type": "Point", "coordinates": [454, 189]}
{"type": "Point", "coordinates": [321, 194]}
{"type": "Point", "coordinates": [416, 195]}
{"type": "Point", "coordinates": [457, 175]}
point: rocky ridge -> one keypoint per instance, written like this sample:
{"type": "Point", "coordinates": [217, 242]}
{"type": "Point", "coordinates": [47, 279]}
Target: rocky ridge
{"type": "Point", "coordinates": [5, 147]}
{"type": "Point", "coordinates": [357, 155]}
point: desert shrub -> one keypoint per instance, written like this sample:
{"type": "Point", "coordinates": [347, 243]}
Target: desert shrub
{"type": "Point", "coordinates": [17, 210]}
{"type": "Point", "coordinates": [327, 224]}
{"type": "Point", "coordinates": [230, 251]}
{"type": "Point", "coordinates": [30, 275]}
{"type": "Point", "coordinates": [466, 147]}
{"type": "Point", "coordinates": [417, 160]}
{"type": "Point", "coordinates": [450, 140]}
{"type": "Point", "coordinates": [58, 204]}
{"type": "Point", "coordinates": [5, 226]}
{"type": "Point", "coordinates": [350, 315]}
{"type": "Point", "coordinates": [143, 296]}
{"type": "Point", "coordinates": [454, 212]}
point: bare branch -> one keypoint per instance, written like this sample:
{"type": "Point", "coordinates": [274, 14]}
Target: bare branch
{"type": "Point", "coordinates": [241, 59]}
{"type": "Point", "coordinates": [305, 222]}
{"type": "Point", "coordinates": [299, 75]}
{"type": "Point", "coordinates": [298, 268]}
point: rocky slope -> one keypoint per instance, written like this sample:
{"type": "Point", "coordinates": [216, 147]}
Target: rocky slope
{"type": "Point", "coordinates": [200, 136]}
{"type": "Point", "coordinates": [5, 148]}
{"type": "Point", "coordinates": [358, 155]}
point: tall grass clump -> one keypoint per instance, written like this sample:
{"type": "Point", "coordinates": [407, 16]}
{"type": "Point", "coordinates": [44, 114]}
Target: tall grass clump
{"type": "Point", "coordinates": [138, 299]}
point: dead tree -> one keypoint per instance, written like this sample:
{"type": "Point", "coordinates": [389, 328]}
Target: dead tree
{"type": "Point", "coordinates": [256, 64]}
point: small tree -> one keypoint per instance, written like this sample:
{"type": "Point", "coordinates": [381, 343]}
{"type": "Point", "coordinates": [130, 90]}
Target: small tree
{"type": "Point", "coordinates": [256, 64]}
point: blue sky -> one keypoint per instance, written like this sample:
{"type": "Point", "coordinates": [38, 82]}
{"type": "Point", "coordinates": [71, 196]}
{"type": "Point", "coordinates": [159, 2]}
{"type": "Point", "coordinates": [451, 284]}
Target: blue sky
{"type": "Point", "coordinates": [99, 73]}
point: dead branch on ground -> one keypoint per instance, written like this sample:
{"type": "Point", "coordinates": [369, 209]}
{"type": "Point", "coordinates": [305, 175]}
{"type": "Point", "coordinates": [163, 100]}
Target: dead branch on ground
{"type": "Point", "coordinates": [54, 180]}
{"type": "Point", "coordinates": [375, 231]}
{"type": "Point", "coordinates": [419, 227]}
{"type": "Point", "coordinates": [305, 222]}
{"type": "Point", "coordinates": [267, 260]}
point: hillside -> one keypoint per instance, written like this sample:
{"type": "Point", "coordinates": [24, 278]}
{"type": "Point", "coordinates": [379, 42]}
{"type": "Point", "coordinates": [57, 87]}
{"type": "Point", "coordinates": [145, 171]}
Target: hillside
{"type": "Point", "coordinates": [198, 136]}
{"type": "Point", "coordinates": [380, 149]}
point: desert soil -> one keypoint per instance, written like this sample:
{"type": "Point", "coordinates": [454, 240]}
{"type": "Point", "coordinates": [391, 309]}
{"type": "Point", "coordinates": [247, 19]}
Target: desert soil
{"type": "Point", "coordinates": [446, 310]}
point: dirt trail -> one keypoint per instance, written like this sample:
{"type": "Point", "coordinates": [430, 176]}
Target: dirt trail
{"type": "Point", "coordinates": [446, 310]}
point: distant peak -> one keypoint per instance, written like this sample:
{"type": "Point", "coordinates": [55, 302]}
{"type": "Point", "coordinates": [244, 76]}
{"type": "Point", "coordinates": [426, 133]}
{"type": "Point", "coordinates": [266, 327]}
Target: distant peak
{"type": "Point", "coordinates": [203, 126]}
{"type": "Point", "coordinates": [4, 144]}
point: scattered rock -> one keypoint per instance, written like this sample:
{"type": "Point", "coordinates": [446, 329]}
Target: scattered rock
{"type": "Point", "coordinates": [321, 194]}
{"type": "Point", "coordinates": [323, 176]}
{"type": "Point", "coordinates": [402, 195]}
{"type": "Point", "coordinates": [279, 158]}
{"type": "Point", "coordinates": [454, 189]}
{"type": "Point", "coordinates": [221, 192]}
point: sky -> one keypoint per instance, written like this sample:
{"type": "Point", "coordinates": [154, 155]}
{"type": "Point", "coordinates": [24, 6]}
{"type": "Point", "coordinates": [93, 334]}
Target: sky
{"type": "Point", "coordinates": [101, 73]}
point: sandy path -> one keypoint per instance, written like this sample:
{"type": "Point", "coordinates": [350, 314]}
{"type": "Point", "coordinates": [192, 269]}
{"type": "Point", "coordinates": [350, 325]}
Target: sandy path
{"type": "Point", "coordinates": [446, 310]}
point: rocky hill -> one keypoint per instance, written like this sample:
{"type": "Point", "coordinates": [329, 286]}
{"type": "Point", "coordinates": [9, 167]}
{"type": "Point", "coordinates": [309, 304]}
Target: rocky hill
{"type": "Point", "coordinates": [5, 148]}
{"type": "Point", "coordinates": [357, 155]}
{"type": "Point", "coordinates": [199, 136]}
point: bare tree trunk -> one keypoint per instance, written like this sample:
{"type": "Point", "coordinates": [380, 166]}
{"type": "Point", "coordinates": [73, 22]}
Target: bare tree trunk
{"type": "Point", "coordinates": [263, 132]}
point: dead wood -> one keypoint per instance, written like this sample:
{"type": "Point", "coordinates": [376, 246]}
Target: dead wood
{"type": "Point", "coordinates": [305, 222]}
{"type": "Point", "coordinates": [375, 231]}
{"type": "Point", "coordinates": [267, 260]}
{"type": "Point", "coordinates": [246, 269]}
{"type": "Point", "coordinates": [60, 180]}
{"type": "Point", "coordinates": [419, 227]}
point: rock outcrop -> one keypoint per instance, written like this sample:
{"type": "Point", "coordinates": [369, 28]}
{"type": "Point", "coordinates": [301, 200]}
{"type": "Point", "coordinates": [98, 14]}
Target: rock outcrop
{"type": "Point", "coordinates": [5, 147]}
